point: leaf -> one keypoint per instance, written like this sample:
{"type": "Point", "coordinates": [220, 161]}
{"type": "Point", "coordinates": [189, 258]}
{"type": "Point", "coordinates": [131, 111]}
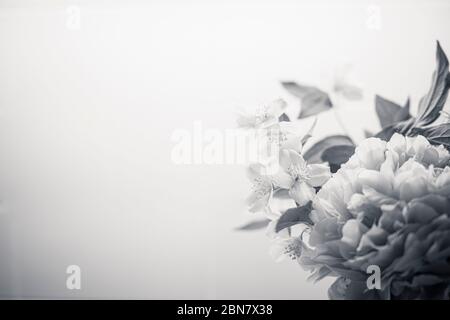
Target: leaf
{"type": "Point", "coordinates": [345, 85]}
{"type": "Point", "coordinates": [254, 225]}
{"type": "Point", "coordinates": [437, 135]}
{"type": "Point", "coordinates": [348, 91]}
{"type": "Point", "coordinates": [386, 110]}
{"type": "Point", "coordinates": [368, 134]}
{"type": "Point", "coordinates": [389, 112]}
{"type": "Point", "coordinates": [295, 216]}
{"type": "Point", "coordinates": [432, 103]}
{"type": "Point", "coordinates": [314, 154]}
{"type": "Point", "coordinates": [337, 155]}
{"type": "Point", "coordinates": [313, 100]}
{"type": "Point", "coordinates": [403, 128]}
{"type": "Point", "coordinates": [404, 114]}
{"type": "Point", "coordinates": [284, 117]}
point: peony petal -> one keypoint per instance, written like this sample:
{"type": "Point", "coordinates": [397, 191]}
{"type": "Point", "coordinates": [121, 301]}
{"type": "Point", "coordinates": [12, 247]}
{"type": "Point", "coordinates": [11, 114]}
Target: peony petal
{"type": "Point", "coordinates": [389, 166]}
{"type": "Point", "coordinates": [413, 187]}
{"type": "Point", "coordinates": [352, 232]}
{"type": "Point", "coordinates": [325, 230]}
{"type": "Point", "coordinates": [418, 146]}
{"type": "Point", "coordinates": [376, 236]}
{"type": "Point", "coordinates": [444, 178]}
{"type": "Point", "coordinates": [438, 203]}
{"type": "Point", "coordinates": [357, 204]}
{"type": "Point", "coordinates": [375, 180]}
{"type": "Point", "coordinates": [391, 215]}
{"type": "Point", "coordinates": [370, 153]}
{"type": "Point", "coordinates": [444, 156]}
{"type": "Point", "coordinates": [430, 156]}
{"type": "Point", "coordinates": [322, 210]}
{"type": "Point", "coordinates": [418, 212]}
{"type": "Point", "coordinates": [397, 143]}
{"type": "Point", "coordinates": [378, 198]}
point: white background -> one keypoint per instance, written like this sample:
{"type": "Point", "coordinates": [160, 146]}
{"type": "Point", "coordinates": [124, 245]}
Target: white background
{"type": "Point", "coordinates": [86, 118]}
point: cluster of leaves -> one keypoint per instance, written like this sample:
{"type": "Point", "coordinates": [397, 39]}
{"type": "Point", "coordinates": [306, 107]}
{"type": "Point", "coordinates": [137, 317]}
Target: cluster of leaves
{"type": "Point", "coordinates": [393, 118]}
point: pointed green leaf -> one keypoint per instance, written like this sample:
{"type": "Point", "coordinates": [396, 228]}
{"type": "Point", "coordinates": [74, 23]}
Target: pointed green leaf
{"type": "Point", "coordinates": [338, 155]}
{"type": "Point", "coordinates": [389, 112]}
{"type": "Point", "coordinates": [284, 117]}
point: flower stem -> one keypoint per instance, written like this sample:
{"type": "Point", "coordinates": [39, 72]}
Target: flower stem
{"type": "Point", "coordinates": [340, 122]}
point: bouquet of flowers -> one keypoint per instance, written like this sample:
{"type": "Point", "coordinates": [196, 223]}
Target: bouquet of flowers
{"type": "Point", "coordinates": [376, 216]}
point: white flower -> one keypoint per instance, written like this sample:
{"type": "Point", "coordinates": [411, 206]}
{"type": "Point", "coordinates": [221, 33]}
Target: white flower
{"type": "Point", "coordinates": [264, 117]}
{"type": "Point", "coordinates": [263, 186]}
{"type": "Point", "coordinates": [300, 177]}
{"type": "Point", "coordinates": [282, 136]}
{"type": "Point", "coordinates": [286, 248]}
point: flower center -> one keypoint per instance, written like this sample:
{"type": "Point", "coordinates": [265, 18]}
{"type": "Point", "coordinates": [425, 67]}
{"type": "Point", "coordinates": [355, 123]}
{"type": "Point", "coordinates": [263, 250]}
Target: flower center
{"type": "Point", "coordinates": [299, 172]}
{"type": "Point", "coordinates": [293, 249]}
{"type": "Point", "coordinates": [261, 187]}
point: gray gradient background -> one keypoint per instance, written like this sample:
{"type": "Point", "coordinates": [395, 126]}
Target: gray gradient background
{"type": "Point", "coordinates": [86, 118]}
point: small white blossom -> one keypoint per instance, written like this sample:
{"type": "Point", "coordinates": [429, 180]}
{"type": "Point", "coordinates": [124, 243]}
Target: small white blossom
{"type": "Point", "coordinates": [300, 176]}
{"type": "Point", "coordinates": [264, 117]}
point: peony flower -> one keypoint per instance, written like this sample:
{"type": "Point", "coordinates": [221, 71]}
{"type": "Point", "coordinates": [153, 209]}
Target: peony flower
{"type": "Point", "coordinates": [388, 206]}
